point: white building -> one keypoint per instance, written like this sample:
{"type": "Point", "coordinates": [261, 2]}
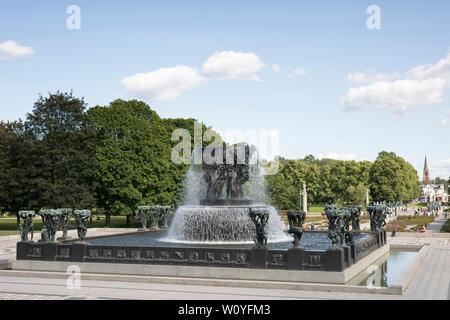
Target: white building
{"type": "Point", "coordinates": [433, 192]}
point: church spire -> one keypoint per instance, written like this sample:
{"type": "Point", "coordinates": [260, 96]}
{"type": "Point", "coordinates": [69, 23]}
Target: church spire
{"type": "Point", "coordinates": [426, 173]}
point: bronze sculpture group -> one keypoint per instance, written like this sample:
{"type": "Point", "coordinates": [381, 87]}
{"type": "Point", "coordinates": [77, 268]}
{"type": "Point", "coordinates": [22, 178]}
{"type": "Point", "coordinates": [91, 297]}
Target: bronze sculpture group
{"type": "Point", "coordinates": [27, 226]}
{"type": "Point", "coordinates": [228, 169]}
{"type": "Point", "coordinates": [377, 212]}
{"type": "Point", "coordinates": [260, 217]}
{"type": "Point", "coordinates": [51, 219]}
{"type": "Point", "coordinates": [159, 216]}
{"type": "Point", "coordinates": [296, 220]}
{"type": "Point", "coordinates": [50, 222]}
{"type": "Point", "coordinates": [81, 217]}
{"type": "Point", "coordinates": [339, 220]}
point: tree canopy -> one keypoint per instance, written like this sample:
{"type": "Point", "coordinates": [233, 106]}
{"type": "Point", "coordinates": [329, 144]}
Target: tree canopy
{"type": "Point", "coordinates": [119, 156]}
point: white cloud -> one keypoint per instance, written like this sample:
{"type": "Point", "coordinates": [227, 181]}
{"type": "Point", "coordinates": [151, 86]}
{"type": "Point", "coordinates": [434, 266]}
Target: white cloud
{"type": "Point", "coordinates": [276, 68]}
{"type": "Point", "coordinates": [447, 111]}
{"type": "Point", "coordinates": [11, 49]}
{"type": "Point", "coordinates": [164, 83]}
{"type": "Point", "coordinates": [298, 72]}
{"type": "Point", "coordinates": [444, 123]}
{"type": "Point", "coordinates": [338, 156]}
{"type": "Point", "coordinates": [232, 65]}
{"type": "Point", "coordinates": [169, 83]}
{"type": "Point", "coordinates": [421, 85]}
{"type": "Point", "coordinates": [361, 77]}
{"type": "Point", "coordinates": [400, 94]}
{"type": "Point", "coordinates": [440, 168]}
{"type": "Point", "coordinates": [438, 70]}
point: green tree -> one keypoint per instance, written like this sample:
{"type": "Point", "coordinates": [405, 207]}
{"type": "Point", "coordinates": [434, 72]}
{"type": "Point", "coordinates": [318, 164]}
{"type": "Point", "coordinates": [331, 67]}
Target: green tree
{"type": "Point", "coordinates": [356, 195]}
{"type": "Point", "coordinates": [63, 151]}
{"type": "Point", "coordinates": [438, 180]}
{"type": "Point", "coordinates": [393, 179]}
{"type": "Point", "coordinates": [16, 168]}
{"type": "Point", "coordinates": [284, 187]}
{"type": "Point", "coordinates": [132, 161]}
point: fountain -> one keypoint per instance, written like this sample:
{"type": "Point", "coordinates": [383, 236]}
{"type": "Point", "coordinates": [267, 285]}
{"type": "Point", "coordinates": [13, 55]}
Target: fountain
{"type": "Point", "coordinates": [224, 223]}
{"type": "Point", "coordinates": [219, 196]}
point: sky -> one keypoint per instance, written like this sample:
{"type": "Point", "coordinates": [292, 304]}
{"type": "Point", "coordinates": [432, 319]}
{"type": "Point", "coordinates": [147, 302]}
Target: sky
{"type": "Point", "coordinates": [339, 79]}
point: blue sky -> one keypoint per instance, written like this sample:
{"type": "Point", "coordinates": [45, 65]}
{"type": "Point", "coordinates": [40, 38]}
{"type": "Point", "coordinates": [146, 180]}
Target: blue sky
{"type": "Point", "coordinates": [360, 90]}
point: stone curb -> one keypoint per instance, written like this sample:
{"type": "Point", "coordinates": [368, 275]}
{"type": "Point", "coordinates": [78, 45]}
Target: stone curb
{"type": "Point", "coordinates": [405, 278]}
{"type": "Point", "coordinates": [209, 282]}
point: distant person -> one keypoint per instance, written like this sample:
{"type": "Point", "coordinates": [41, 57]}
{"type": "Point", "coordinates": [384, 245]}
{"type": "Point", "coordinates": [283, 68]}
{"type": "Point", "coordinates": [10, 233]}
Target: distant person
{"type": "Point", "coordinates": [312, 227]}
{"type": "Point", "coordinates": [304, 227]}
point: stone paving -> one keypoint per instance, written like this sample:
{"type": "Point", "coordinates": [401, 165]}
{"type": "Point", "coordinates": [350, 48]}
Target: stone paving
{"type": "Point", "coordinates": [405, 240]}
{"type": "Point", "coordinates": [431, 281]}
{"type": "Point", "coordinates": [435, 227]}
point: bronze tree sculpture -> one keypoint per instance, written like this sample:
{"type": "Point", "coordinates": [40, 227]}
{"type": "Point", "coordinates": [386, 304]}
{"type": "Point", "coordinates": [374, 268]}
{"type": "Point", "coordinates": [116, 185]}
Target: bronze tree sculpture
{"type": "Point", "coordinates": [50, 222]}
{"type": "Point", "coordinates": [81, 217]}
{"type": "Point", "coordinates": [334, 224]}
{"type": "Point", "coordinates": [296, 220]}
{"type": "Point", "coordinates": [65, 221]}
{"type": "Point", "coordinates": [27, 227]}
{"type": "Point", "coordinates": [260, 217]}
{"type": "Point", "coordinates": [142, 214]}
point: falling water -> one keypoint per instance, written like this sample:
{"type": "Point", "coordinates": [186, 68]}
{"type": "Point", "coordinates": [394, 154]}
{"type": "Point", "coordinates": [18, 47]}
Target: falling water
{"type": "Point", "coordinates": [220, 224]}
{"type": "Point", "coordinates": [195, 223]}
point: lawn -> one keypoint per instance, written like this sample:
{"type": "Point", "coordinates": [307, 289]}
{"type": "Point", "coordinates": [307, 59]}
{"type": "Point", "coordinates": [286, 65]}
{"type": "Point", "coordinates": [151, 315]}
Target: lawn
{"type": "Point", "coordinates": [316, 209]}
{"type": "Point", "coordinates": [8, 233]}
{"type": "Point", "coordinates": [446, 227]}
{"type": "Point", "coordinates": [420, 205]}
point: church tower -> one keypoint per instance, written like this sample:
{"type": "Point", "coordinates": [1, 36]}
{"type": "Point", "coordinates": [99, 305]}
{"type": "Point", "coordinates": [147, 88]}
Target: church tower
{"type": "Point", "coordinates": [426, 173]}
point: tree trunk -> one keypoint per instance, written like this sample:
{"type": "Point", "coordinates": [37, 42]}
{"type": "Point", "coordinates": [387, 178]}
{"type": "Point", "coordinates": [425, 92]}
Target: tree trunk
{"type": "Point", "coordinates": [18, 222]}
{"type": "Point", "coordinates": [128, 219]}
{"type": "Point", "coordinates": [108, 219]}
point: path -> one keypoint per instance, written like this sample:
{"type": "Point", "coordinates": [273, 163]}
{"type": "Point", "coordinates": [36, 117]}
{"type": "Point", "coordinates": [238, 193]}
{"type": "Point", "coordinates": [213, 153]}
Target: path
{"type": "Point", "coordinates": [435, 227]}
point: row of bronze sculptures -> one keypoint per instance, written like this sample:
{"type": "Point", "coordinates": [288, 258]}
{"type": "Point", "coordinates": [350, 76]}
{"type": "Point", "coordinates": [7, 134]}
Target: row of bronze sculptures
{"type": "Point", "coordinates": [339, 220]}
{"type": "Point", "coordinates": [51, 218]}
{"type": "Point", "coordinates": [159, 216]}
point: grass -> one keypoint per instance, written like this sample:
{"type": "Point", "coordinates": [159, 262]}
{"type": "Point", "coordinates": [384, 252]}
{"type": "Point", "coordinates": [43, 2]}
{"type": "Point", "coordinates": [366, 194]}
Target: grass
{"type": "Point", "coordinates": [8, 233]}
{"type": "Point", "coordinates": [316, 209]}
{"type": "Point", "coordinates": [446, 227]}
{"type": "Point", "coordinates": [402, 223]}
{"type": "Point", "coordinates": [420, 205]}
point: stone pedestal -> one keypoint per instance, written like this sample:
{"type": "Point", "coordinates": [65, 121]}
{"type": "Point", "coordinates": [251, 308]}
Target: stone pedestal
{"type": "Point", "coordinates": [22, 250]}
{"type": "Point", "coordinates": [64, 238]}
{"type": "Point", "coordinates": [49, 251]}
{"type": "Point", "coordinates": [348, 255]}
{"type": "Point", "coordinates": [258, 258]}
{"type": "Point", "coordinates": [295, 258]}
{"type": "Point", "coordinates": [79, 251]}
{"type": "Point", "coordinates": [335, 259]}
{"type": "Point", "coordinates": [353, 252]}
